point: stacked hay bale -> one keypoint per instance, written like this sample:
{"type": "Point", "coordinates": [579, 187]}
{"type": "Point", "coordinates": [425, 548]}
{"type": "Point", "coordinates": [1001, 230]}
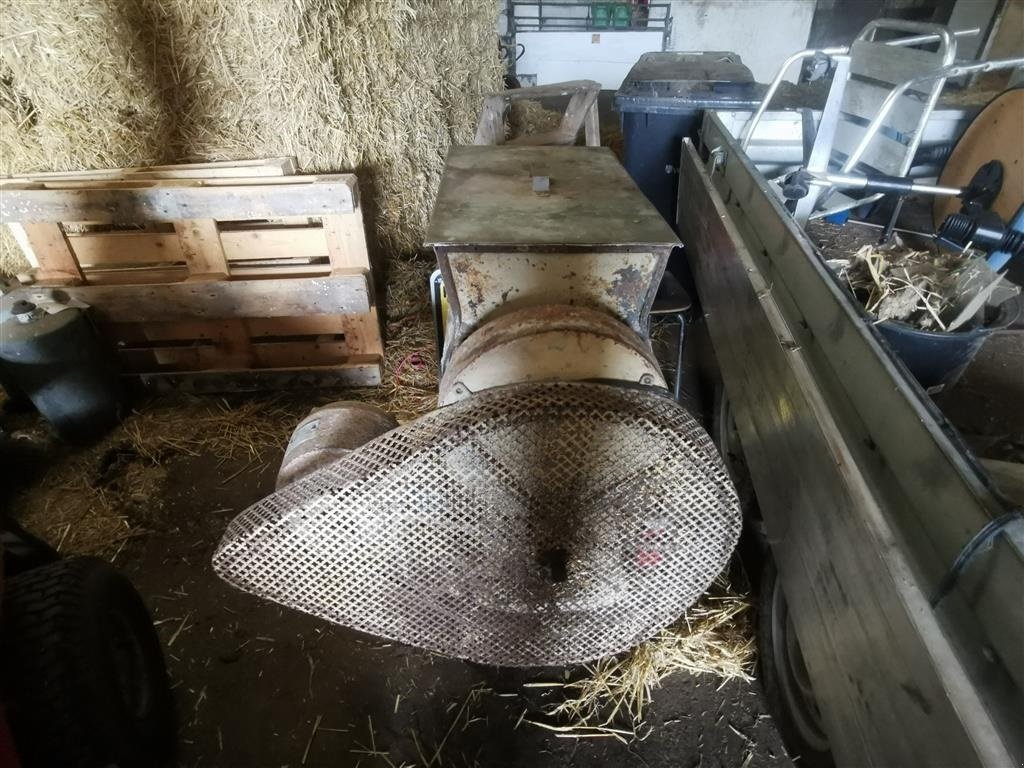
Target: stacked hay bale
{"type": "Point", "coordinates": [379, 87]}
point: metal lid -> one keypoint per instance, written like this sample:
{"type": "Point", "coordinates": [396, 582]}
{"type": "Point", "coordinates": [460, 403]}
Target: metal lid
{"type": "Point", "coordinates": [487, 197]}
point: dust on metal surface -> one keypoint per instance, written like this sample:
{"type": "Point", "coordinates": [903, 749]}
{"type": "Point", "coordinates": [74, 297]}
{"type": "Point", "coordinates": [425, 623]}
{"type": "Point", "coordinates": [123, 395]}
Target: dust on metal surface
{"type": "Point", "coordinates": [550, 342]}
{"type": "Point", "coordinates": [529, 525]}
{"type": "Point", "coordinates": [487, 198]}
{"type": "Point", "coordinates": [493, 283]}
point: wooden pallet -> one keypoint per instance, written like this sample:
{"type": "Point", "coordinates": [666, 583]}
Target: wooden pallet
{"type": "Point", "coordinates": [195, 276]}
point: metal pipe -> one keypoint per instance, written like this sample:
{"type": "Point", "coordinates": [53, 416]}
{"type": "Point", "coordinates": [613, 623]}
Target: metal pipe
{"type": "Point", "coordinates": [861, 181]}
{"type": "Point", "coordinates": [919, 39]}
{"type": "Point", "coordinates": [777, 81]}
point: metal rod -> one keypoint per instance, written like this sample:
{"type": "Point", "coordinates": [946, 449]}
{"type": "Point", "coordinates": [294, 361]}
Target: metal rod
{"type": "Point", "coordinates": [918, 39]}
{"type": "Point", "coordinates": [839, 50]}
{"type": "Point", "coordinates": [860, 181]}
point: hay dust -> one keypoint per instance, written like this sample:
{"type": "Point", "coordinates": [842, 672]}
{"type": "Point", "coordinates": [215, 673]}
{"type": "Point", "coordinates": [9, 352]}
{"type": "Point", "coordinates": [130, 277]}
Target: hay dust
{"type": "Point", "coordinates": [92, 500]}
{"type": "Point", "coordinates": [922, 288]}
{"type": "Point", "coordinates": [380, 88]}
{"type": "Point", "coordinates": [610, 700]}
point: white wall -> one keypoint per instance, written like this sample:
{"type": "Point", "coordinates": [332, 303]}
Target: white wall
{"type": "Point", "coordinates": [604, 56]}
{"type": "Point", "coordinates": [762, 32]}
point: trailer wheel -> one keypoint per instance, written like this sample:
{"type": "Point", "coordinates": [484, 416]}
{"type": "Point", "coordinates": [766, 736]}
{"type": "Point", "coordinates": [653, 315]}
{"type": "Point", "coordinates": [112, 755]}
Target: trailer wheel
{"type": "Point", "coordinates": [83, 674]}
{"type": "Point", "coordinates": [784, 676]}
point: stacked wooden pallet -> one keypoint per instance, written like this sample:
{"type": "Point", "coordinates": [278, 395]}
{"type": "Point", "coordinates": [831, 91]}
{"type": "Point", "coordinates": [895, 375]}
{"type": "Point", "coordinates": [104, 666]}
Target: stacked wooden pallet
{"type": "Point", "coordinates": [210, 275]}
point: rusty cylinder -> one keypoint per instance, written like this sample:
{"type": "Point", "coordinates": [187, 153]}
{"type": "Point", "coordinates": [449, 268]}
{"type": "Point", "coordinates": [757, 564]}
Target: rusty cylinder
{"type": "Point", "coordinates": [327, 434]}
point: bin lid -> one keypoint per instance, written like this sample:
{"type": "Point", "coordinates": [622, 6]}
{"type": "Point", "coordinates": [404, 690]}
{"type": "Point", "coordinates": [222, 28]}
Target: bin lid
{"type": "Point", "coordinates": [681, 81]}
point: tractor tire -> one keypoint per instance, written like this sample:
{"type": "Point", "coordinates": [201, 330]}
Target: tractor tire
{"type": "Point", "coordinates": [83, 675]}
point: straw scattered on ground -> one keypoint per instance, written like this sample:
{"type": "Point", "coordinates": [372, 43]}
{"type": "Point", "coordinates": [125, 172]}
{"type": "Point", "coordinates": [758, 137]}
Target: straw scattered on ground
{"type": "Point", "coordinates": [611, 700]}
{"type": "Point", "coordinates": [377, 88]}
{"type": "Point", "coordinates": [94, 499]}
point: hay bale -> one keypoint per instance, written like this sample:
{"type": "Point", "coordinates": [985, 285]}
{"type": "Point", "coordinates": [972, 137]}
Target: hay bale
{"type": "Point", "coordinates": [380, 88]}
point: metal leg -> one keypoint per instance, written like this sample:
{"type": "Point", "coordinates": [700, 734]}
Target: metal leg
{"type": "Point", "coordinates": [891, 226]}
{"type": "Point", "coordinates": [678, 391]}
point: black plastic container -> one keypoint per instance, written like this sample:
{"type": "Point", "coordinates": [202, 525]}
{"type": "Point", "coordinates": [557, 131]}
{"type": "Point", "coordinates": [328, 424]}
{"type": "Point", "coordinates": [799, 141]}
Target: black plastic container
{"type": "Point", "coordinates": [59, 362]}
{"type": "Point", "coordinates": [662, 100]}
{"type": "Point", "coordinates": [938, 358]}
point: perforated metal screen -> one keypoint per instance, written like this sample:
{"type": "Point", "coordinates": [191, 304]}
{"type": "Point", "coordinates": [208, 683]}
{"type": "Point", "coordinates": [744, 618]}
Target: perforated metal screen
{"type": "Point", "coordinates": [531, 525]}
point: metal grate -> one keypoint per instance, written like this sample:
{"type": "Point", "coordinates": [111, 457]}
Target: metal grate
{"type": "Point", "coordinates": [536, 524]}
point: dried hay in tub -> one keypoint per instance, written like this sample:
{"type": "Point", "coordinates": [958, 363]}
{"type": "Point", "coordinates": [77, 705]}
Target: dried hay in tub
{"type": "Point", "coordinates": [380, 88]}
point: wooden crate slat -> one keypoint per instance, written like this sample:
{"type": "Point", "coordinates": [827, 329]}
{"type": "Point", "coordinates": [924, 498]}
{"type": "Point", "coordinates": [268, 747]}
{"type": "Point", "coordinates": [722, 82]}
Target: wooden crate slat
{"type": "Point", "coordinates": [56, 261]}
{"type": "Point", "coordinates": [110, 248]}
{"type": "Point", "coordinates": [271, 166]}
{"type": "Point", "coordinates": [158, 200]}
{"type": "Point", "coordinates": [347, 331]}
{"type": "Point", "coordinates": [94, 249]}
{"type": "Point", "coordinates": [331, 294]}
{"type": "Point", "coordinates": [201, 248]}
{"type": "Point", "coordinates": [358, 372]}
{"type": "Point", "coordinates": [346, 240]}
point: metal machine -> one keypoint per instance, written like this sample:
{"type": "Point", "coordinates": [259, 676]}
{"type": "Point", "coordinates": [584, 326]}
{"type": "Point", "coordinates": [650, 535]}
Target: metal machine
{"type": "Point", "coordinates": [560, 505]}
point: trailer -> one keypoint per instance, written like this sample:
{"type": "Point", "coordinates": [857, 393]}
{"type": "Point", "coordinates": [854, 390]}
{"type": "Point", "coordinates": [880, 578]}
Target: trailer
{"type": "Point", "coordinates": [898, 617]}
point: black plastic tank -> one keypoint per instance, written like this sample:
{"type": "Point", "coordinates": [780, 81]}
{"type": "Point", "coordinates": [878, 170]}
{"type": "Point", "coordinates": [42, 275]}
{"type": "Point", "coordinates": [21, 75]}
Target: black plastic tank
{"type": "Point", "coordinates": [60, 363]}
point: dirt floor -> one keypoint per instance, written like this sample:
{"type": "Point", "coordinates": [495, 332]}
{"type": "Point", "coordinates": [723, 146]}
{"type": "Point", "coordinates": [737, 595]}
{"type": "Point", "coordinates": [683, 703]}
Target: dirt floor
{"type": "Point", "coordinates": [253, 680]}
{"type": "Point", "coordinates": [259, 685]}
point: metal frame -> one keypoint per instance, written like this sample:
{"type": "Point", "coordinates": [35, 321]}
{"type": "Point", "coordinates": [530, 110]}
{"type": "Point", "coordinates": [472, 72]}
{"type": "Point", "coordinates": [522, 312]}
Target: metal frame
{"type": "Point", "coordinates": [535, 19]}
{"type": "Point", "coordinates": [869, 496]}
{"type": "Point", "coordinates": [820, 155]}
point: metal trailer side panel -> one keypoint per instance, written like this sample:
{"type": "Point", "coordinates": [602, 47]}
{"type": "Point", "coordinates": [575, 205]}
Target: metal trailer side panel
{"type": "Point", "coordinates": [893, 688]}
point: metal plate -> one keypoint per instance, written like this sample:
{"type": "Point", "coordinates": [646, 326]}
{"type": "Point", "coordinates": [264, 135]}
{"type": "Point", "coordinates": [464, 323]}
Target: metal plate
{"type": "Point", "coordinates": [531, 525]}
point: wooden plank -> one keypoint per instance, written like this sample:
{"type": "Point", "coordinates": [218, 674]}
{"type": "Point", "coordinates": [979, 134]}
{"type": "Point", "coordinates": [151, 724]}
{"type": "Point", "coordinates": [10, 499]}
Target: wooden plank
{"type": "Point", "coordinates": [883, 154]}
{"type": "Point", "coordinates": [864, 99]}
{"type": "Point", "coordinates": [358, 372]}
{"type": "Point", "coordinates": [117, 248]}
{"type": "Point", "coordinates": [174, 273]}
{"type": "Point", "coordinates": [110, 248]}
{"type": "Point", "coordinates": [346, 240]}
{"type": "Point", "coordinates": [296, 242]}
{"type": "Point", "coordinates": [156, 200]}
{"type": "Point", "coordinates": [846, 601]}
{"type": "Point", "coordinates": [892, 64]}
{"type": "Point", "coordinates": [51, 249]}
{"type": "Point", "coordinates": [201, 248]}
{"type": "Point", "coordinates": [364, 333]}
{"type": "Point", "coordinates": [273, 166]}
{"type": "Point", "coordinates": [333, 294]}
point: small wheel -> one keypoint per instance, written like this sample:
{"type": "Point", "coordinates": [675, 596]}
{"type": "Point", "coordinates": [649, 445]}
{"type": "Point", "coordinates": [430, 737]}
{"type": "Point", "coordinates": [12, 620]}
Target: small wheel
{"type": "Point", "coordinates": [81, 659]}
{"type": "Point", "coordinates": [784, 676]}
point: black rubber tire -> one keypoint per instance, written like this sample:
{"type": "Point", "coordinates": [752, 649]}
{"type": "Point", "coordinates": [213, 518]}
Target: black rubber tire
{"type": "Point", "coordinates": [802, 735]}
{"type": "Point", "coordinates": [83, 674]}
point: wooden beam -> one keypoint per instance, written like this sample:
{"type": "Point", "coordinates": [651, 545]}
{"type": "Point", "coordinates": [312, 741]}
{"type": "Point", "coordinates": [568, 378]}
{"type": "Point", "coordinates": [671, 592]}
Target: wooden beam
{"type": "Point", "coordinates": [156, 200]}
{"type": "Point", "coordinates": [346, 240]}
{"type": "Point", "coordinates": [333, 294]}
{"type": "Point", "coordinates": [273, 166]}
{"type": "Point", "coordinates": [95, 249]}
{"type": "Point", "coordinates": [358, 372]}
{"type": "Point", "coordinates": [201, 248]}
{"type": "Point", "coordinates": [57, 262]}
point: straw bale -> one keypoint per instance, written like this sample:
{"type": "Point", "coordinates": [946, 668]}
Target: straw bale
{"type": "Point", "coordinates": [381, 88]}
